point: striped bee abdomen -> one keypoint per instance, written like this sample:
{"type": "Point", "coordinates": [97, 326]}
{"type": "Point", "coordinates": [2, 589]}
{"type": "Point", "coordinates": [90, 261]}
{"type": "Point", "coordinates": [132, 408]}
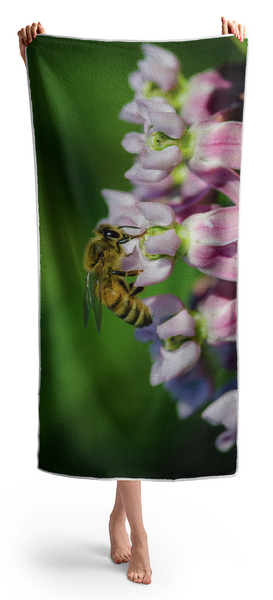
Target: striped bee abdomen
{"type": "Point", "coordinates": [128, 307]}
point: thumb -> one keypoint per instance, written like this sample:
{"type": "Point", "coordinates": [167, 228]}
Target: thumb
{"type": "Point", "coordinates": [40, 28]}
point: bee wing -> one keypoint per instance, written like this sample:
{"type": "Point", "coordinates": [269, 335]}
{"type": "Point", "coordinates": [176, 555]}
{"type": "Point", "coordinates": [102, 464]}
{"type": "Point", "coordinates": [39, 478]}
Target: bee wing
{"type": "Point", "coordinates": [92, 297]}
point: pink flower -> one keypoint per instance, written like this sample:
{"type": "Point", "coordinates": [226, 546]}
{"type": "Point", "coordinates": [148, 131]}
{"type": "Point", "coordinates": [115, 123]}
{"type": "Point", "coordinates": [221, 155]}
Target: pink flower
{"type": "Point", "coordinates": [158, 152]}
{"type": "Point", "coordinates": [212, 92]}
{"type": "Point", "coordinates": [212, 242]}
{"type": "Point", "coordinates": [159, 66]}
{"type": "Point", "coordinates": [206, 241]}
{"type": "Point", "coordinates": [223, 411]}
{"type": "Point", "coordinates": [209, 152]}
{"type": "Point", "coordinates": [177, 334]}
{"type": "Point", "coordinates": [157, 253]}
{"type": "Point", "coordinates": [219, 308]}
{"type": "Point", "coordinates": [172, 351]}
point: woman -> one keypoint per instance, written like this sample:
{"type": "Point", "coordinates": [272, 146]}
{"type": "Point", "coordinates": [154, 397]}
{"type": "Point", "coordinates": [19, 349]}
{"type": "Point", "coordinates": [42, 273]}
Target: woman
{"type": "Point", "coordinates": [128, 493]}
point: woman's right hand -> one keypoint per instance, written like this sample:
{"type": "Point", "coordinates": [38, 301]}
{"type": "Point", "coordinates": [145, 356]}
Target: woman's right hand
{"type": "Point", "coordinates": [26, 35]}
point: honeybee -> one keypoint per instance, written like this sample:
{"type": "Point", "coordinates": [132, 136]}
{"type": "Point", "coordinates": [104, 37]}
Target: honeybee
{"type": "Point", "coordinates": [105, 281]}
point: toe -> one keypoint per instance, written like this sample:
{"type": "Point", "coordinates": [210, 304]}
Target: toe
{"type": "Point", "coordinates": [125, 559]}
{"type": "Point", "coordinates": [147, 579]}
{"type": "Point", "coordinates": [130, 575]}
{"type": "Point", "coordinates": [117, 558]}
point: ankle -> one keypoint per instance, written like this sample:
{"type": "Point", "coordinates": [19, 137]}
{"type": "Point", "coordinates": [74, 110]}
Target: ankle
{"type": "Point", "coordinates": [117, 517]}
{"type": "Point", "coordinates": [138, 536]}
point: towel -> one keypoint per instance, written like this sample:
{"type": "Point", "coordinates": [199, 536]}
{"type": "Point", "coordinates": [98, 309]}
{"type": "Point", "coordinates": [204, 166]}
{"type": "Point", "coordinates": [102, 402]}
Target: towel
{"type": "Point", "coordinates": [138, 155]}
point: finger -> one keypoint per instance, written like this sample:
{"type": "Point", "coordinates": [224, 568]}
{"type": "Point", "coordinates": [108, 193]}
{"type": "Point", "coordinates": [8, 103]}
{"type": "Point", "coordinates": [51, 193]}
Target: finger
{"type": "Point", "coordinates": [24, 35]}
{"type": "Point", "coordinates": [224, 26]}
{"type": "Point", "coordinates": [34, 28]}
{"type": "Point", "coordinates": [236, 33]}
{"type": "Point", "coordinates": [28, 33]}
{"type": "Point", "coordinates": [22, 46]}
{"type": "Point", "coordinates": [244, 32]}
{"type": "Point", "coordinates": [230, 26]}
{"type": "Point", "coordinates": [41, 29]}
{"type": "Point", "coordinates": [241, 31]}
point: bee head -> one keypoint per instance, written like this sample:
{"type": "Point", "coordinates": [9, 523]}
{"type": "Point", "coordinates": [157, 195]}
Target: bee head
{"type": "Point", "coordinates": [115, 234]}
{"type": "Point", "coordinates": [110, 232]}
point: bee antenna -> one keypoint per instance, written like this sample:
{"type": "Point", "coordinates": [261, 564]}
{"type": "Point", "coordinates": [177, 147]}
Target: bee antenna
{"type": "Point", "coordinates": [128, 227]}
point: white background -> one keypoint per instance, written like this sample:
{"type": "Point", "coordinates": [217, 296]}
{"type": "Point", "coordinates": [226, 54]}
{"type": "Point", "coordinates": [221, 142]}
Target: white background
{"type": "Point", "coordinates": [208, 538]}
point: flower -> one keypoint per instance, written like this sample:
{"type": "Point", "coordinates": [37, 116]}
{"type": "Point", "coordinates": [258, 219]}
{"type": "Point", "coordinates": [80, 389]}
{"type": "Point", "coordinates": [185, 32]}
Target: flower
{"type": "Point", "coordinates": [194, 133]}
{"type": "Point", "coordinates": [159, 66]}
{"type": "Point", "coordinates": [212, 244]}
{"type": "Point", "coordinates": [223, 411]}
{"type": "Point", "coordinates": [219, 309]}
{"type": "Point", "coordinates": [158, 152]}
{"type": "Point", "coordinates": [206, 241]}
{"type": "Point", "coordinates": [191, 390]}
{"type": "Point", "coordinates": [212, 92]}
{"type": "Point", "coordinates": [209, 151]}
{"type": "Point", "coordinates": [154, 253]}
{"type": "Point", "coordinates": [176, 335]}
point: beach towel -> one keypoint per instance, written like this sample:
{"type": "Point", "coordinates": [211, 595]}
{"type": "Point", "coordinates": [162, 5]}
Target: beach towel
{"type": "Point", "coordinates": [138, 156]}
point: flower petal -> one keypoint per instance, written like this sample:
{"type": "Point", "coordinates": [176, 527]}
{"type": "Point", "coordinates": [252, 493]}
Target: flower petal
{"type": "Point", "coordinates": [168, 158]}
{"type": "Point", "coordinates": [155, 271]}
{"type": "Point", "coordinates": [175, 362]}
{"type": "Point", "coordinates": [138, 173]}
{"type": "Point", "coordinates": [163, 243]}
{"type": "Point", "coordinates": [163, 306]}
{"type": "Point", "coordinates": [167, 122]}
{"type": "Point", "coordinates": [219, 308]}
{"type": "Point", "coordinates": [193, 188]}
{"type": "Point", "coordinates": [133, 142]}
{"type": "Point", "coordinates": [223, 411]}
{"type": "Point", "coordinates": [211, 91]}
{"type": "Point", "coordinates": [219, 261]}
{"type": "Point", "coordinates": [191, 390]}
{"type": "Point", "coordinates": [157, 214]}
{"type": "Point", "coordinates": [226, 440]}
{"type": "Point", "coordinates": [136, 81]}
{"type": "Point", "coordinates": [115, 197]}
{"type": "Point", "coordinates": [217, 144]}
{"type": "Point", "coordinates": [132, 260]}
{"type": "Point", "coordinates": [152, 191]}
{"type": "Point", "coordinates": [131, 113]}
{"type": "Point", "coordinates": [214, 228]}
{"type": "Point", "coordinates": [223, 179]}
{"type": "Point", "coordinates": [180, 324]}
{"type": "Point", "coordinates": [160, 66]}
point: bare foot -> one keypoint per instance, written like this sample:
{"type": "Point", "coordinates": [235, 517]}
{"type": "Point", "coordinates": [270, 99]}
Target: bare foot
{"type": "Point", "coordinates": [139, 566]}
{"type": "Point", "coordinates": [120, 543]}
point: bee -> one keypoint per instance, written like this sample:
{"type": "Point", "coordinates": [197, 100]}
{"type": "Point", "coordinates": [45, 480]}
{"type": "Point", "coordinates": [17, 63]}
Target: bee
{"type": "Point", "coordinates": [105, 281]}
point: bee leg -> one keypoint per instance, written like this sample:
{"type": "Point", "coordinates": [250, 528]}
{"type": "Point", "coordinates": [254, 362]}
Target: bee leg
{"type": "Point", "coordinates": [136, 290]}
{"type": "Point", "coordinates": [133, 273]}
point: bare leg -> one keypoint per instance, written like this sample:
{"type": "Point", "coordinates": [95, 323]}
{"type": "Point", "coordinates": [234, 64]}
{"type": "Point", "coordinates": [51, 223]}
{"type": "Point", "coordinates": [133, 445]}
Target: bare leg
{"type": "Point", "coordinates": [139, 566]}
{"type": "Point", "coordinates": [120, 543]}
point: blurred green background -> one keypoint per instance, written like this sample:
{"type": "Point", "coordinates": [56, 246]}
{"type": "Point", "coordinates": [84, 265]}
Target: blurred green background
{"type": "Point", "coordinates": [99, 415]}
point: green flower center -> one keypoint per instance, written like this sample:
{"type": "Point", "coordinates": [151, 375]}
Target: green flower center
{"type": "Point", "coordinates": [176, 96]}
{"type": "Point", "coordinates": [186, 143]}
{"type": "Point", "coordinates": [200, 333]}
{"type": "Point", "coordinates": [182, 233]}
